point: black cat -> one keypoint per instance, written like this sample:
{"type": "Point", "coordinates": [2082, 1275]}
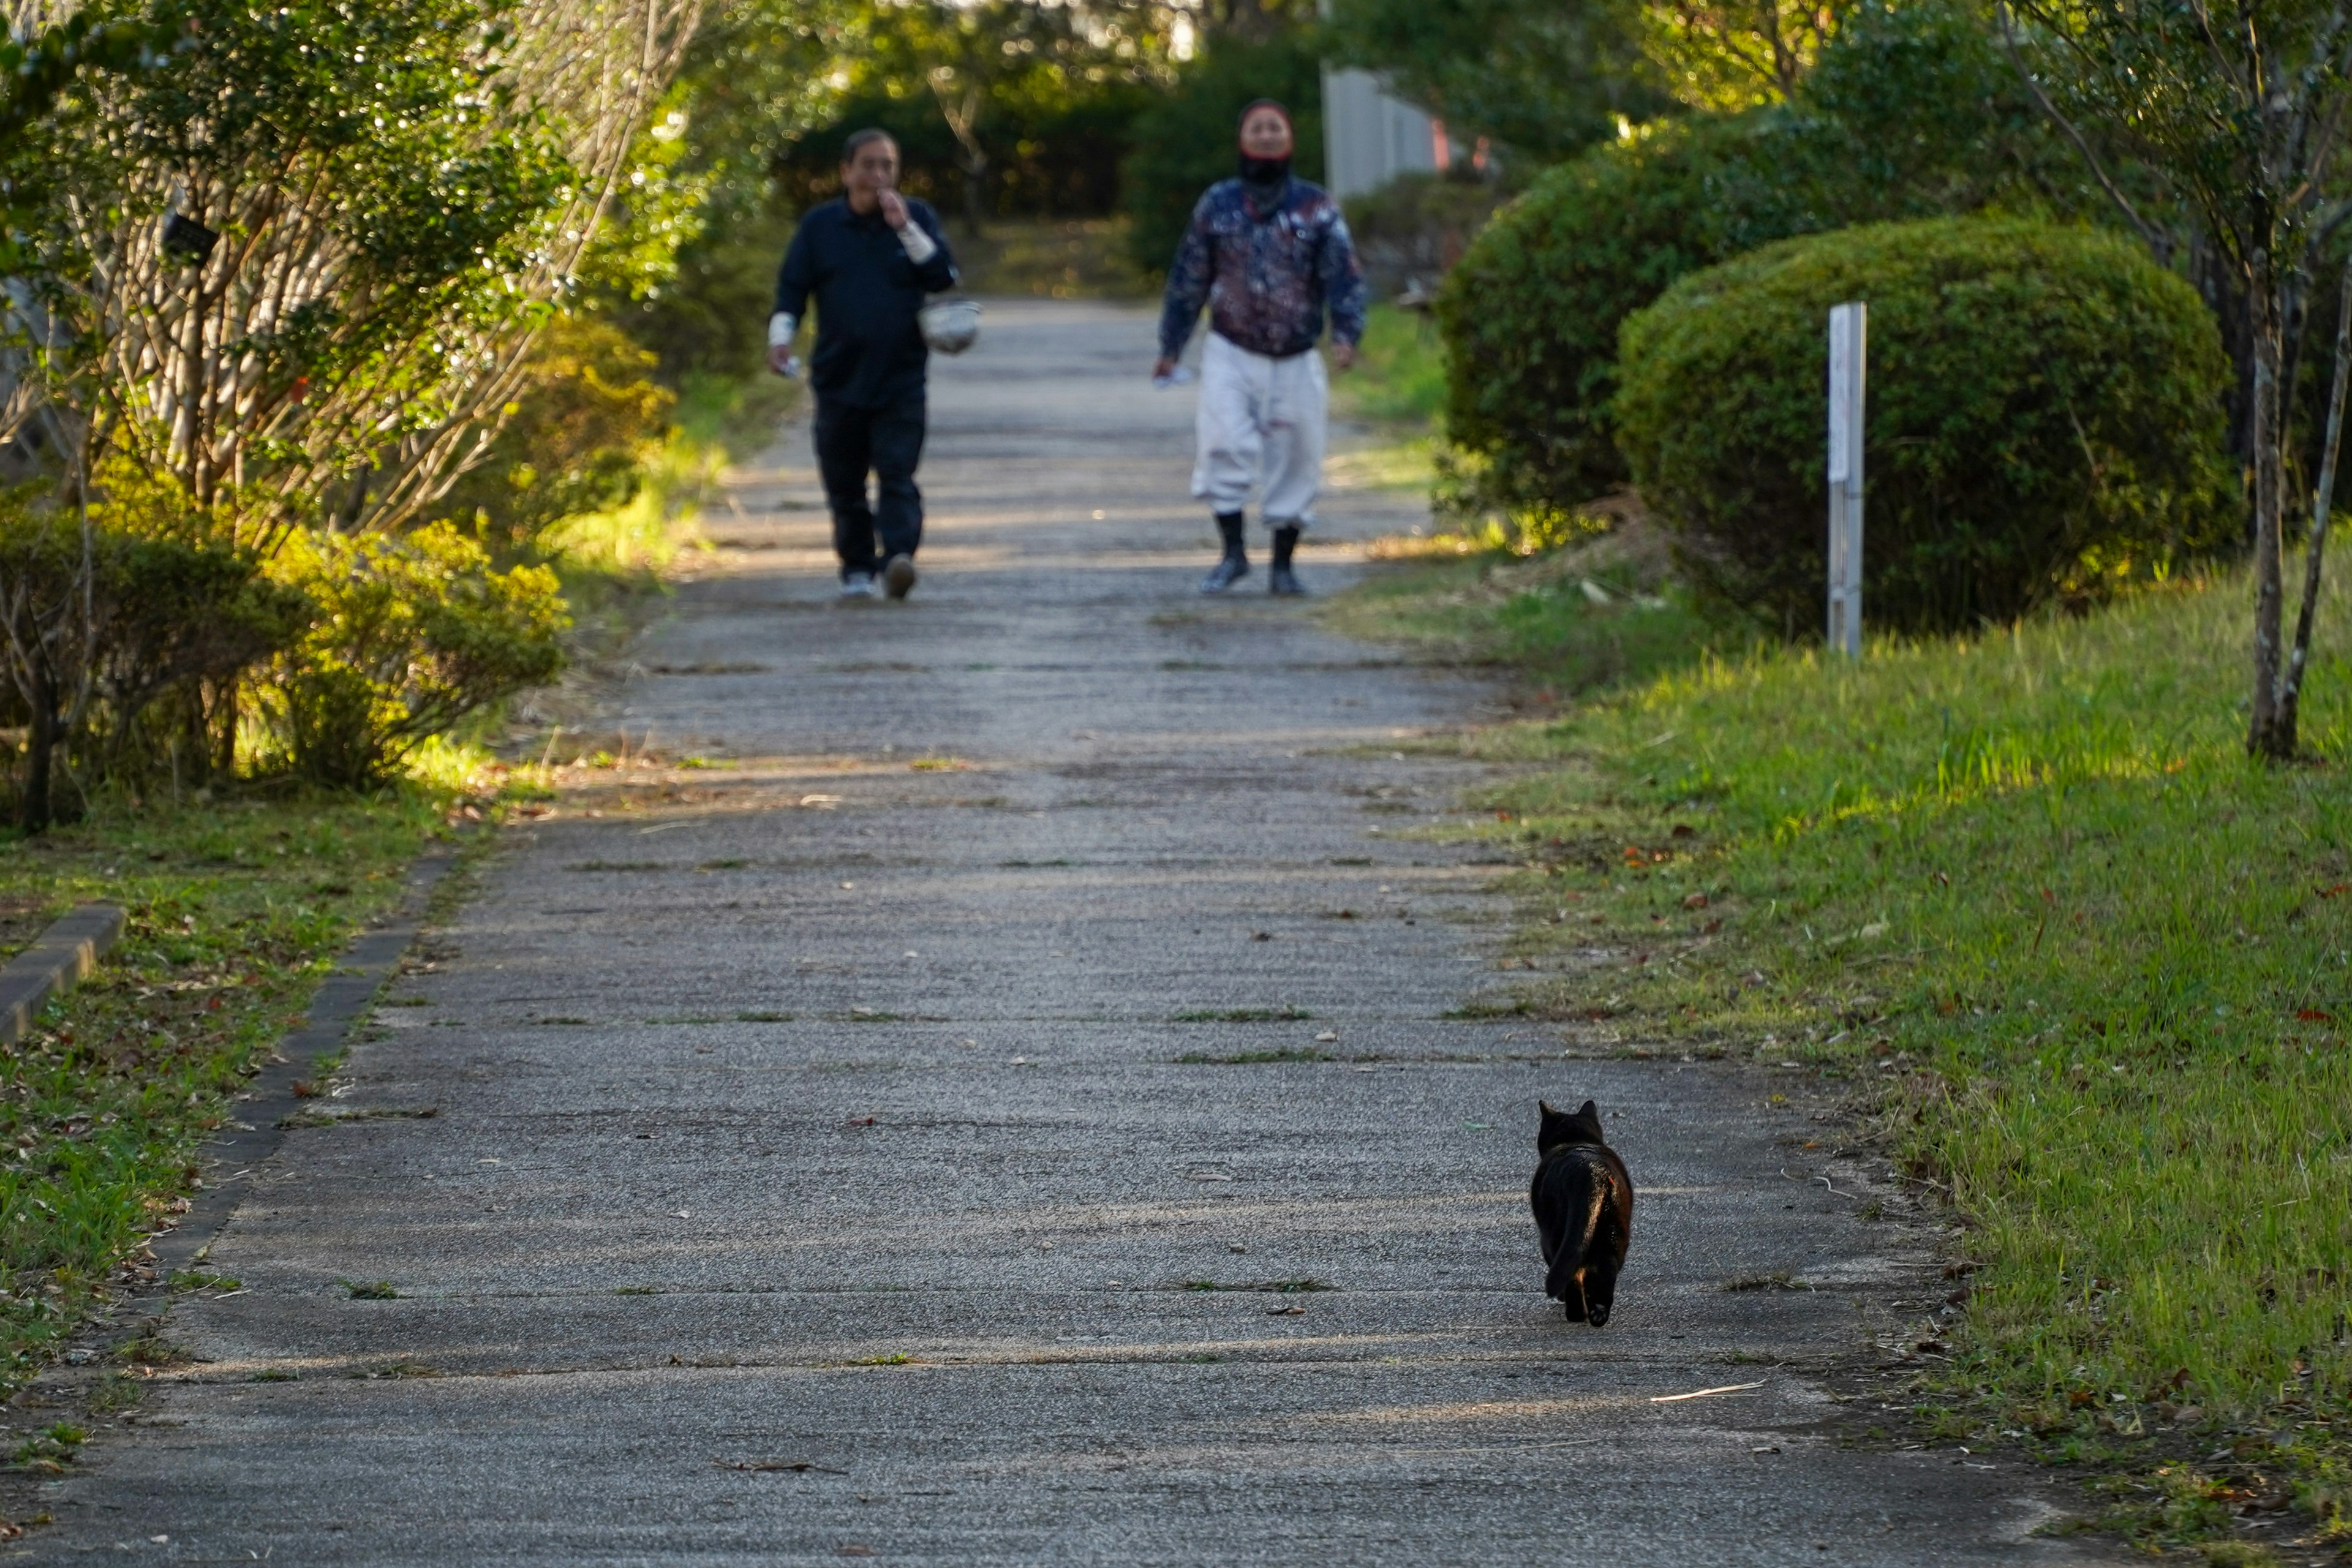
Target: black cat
{"type": "Point", "coordinates": [1584, 1212]}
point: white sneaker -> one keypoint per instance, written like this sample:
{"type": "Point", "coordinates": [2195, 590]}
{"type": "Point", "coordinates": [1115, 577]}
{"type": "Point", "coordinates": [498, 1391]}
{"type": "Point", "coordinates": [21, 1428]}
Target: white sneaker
{"type": "Point", "coordinates": [858, 585]}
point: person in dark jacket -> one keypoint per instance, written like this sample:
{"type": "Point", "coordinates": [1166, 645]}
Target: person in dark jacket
{"type": "Point", "coordinates": [868, 257]}
{"type": "Point", "coordinates": [1266, 253]}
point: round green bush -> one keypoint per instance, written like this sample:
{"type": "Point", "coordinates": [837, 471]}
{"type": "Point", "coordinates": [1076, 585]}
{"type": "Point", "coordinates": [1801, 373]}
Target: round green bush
{"type": "Point", "coordinates": [1531, 311]}
{"type": "Point", "coordinates": [2044, 418]}
{"type": "Point", "coordinates": [1910, 113]}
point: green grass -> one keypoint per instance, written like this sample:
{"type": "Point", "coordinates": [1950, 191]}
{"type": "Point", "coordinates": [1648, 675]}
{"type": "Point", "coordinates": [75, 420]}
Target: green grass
{"type": "Point", "coordinates": [236, 909]}
{"type": "Point", "coordinates": [1463, 600]}
{"type": "Point", "coordinates": [2096, 964]}
{"type": "Point", "coordinates": [1400, 372]}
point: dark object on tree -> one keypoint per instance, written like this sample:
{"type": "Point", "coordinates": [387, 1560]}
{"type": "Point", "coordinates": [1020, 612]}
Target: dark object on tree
{"type": "Point", "coordinates": [187, 238]}
{"type": "Point", "coordinates": [2045, 421]}
{"type": "Point", "coordinates": [1583, 1200]}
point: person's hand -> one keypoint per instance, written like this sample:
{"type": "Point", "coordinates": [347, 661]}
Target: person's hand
{"type": "Point", "coordinates": [1343, 356]}
{"type": "Point", "coordinates": [1162, 368]}
{"type": "Point", "coordinates": [894, 209]}
{"type": "Point", "coordinates": [783, 361]}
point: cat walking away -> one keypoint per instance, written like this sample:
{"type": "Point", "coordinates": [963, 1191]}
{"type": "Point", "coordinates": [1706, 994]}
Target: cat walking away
{"type": "Point", "coordinates": [1584, 1212]}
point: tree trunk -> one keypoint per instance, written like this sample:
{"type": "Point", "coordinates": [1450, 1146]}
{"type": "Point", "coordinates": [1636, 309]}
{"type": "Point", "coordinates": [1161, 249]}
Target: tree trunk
{"type": "Point", "coordinates": [2322, 498]}
{"type": "Point", "coordinates": [40, 752]}
{"type": "Point", "coordinates": [975, 195]}
{"type": "Point", "coordinates": [224, 741]}
{"type": "Point", "coordinates": [2264, 738]}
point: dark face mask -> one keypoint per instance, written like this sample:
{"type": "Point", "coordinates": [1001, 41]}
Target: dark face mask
{"type": "Point", "coordinates": [1265, 177]}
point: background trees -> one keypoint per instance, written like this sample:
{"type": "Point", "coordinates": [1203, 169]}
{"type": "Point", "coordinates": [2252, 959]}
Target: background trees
{"type": "Point", "coordinates": [2228, 121]}
{"type": "Point", "coordinates": [281, 273]}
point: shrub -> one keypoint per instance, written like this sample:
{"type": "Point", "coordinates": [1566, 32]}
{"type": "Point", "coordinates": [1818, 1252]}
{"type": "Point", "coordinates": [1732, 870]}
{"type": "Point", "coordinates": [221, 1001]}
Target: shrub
{"type": "Point", "coordinates": [2044, 417]}
{"type": "Point", "coordinates": [102, 622]}
{"type": "Point", "coordinates": [414, 634]}
{"type": "Point", "coordinates": [1909, 113]}
{"type": "Point", "coordinates": [576, 440]}
{"type": "Point", "coordinates": [1187, 140]}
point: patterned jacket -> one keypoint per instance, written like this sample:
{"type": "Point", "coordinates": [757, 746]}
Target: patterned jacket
{"type": "Point", "coordinates": [1265, 280]}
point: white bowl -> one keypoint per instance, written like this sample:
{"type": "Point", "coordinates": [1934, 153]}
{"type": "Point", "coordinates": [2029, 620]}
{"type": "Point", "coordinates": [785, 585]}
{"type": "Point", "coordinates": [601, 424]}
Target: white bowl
{"type": "Point", "coordinates": [950, 325]}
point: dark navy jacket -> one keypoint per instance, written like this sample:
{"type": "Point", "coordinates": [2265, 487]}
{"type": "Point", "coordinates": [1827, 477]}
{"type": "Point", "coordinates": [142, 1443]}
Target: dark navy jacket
{"type": "Point", "coordinates": [870, 352]}
{"type": "Point", "coordinates": [1265, 277]}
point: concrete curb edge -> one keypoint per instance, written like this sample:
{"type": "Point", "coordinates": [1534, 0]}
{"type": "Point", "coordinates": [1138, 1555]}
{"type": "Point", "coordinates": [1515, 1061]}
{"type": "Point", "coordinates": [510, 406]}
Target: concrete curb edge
{"type": "Point", "coordinates": [59, 959]}
{"type": "Point", "coordinates": [245, 1142]}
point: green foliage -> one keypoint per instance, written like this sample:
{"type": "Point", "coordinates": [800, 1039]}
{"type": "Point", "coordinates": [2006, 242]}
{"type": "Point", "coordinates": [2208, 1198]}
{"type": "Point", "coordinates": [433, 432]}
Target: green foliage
{"type": "Point", "coordinates": [588, 418]}
{"type": "Point", "coordinates": [1188, 139]}
{"type": "Point", "coordinates": [1055, 158]}
{"type": "Point", "coordinates": [2044, 420]}
{"type": "Point", "coordinates": [384, 189]}
{"type": "Point", "coordinates": [108, 615]}
{"type": "Point", "coordinates": [1910, 113]}
{"type": "Point", "coordinates": [998, 105]}
{"type": "Point", "coordinates": [1544, 79]}
{"type": "Point", "coordinates": [659, 200]}
{"type": "Point", "coordinates": [414, 634]}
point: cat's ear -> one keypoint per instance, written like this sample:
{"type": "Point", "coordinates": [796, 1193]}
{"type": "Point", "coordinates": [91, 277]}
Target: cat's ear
{"type": "Point", "coordinates": [1543, 1108]}
{"type": "Point", "coordinates": [1589, 1109]}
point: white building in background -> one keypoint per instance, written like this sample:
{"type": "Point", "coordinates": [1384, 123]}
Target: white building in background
{"type": "Point", "coordinates": [1370, 137]}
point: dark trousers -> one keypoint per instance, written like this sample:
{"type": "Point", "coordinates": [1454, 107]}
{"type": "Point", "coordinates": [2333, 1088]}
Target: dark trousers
{"type": "Point", "coordinates": [887, 443]}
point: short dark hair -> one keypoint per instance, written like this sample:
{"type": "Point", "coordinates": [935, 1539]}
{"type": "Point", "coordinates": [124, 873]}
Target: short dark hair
{"type": "Point", "coordinates": [858, 139]}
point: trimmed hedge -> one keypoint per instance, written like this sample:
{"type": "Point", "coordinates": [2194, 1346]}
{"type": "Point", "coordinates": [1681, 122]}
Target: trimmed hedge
{"type": "Point", "coordinates": [2044, 420]}
{"type": "Point", "coordinates": [1910, 113]}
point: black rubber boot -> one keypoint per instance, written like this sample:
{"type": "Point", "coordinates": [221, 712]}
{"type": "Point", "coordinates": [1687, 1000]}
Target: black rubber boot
{"type": "Point", "coordinates": [1234, 566]}
{"type": "Point", "coordinates": [1280, 579]}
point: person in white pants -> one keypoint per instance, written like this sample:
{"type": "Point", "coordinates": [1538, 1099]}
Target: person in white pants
{"type": "Point", "coordinates": [1265, 253]}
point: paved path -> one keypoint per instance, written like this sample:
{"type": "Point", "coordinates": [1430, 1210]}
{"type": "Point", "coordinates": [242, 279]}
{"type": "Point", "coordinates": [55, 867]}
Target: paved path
{"type": "Point", "coordinates": [857, 1108]}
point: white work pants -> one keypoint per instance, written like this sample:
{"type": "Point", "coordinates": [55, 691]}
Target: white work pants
{"type": "Point", "coordinates": [1261, 421]}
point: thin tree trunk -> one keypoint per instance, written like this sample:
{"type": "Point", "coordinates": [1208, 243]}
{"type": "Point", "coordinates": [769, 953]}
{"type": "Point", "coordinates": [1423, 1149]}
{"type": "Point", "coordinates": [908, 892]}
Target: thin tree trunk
{"type": "Point", "coordinates": [2323, 497]}
{"type": "Point", "coordinates": [40, 752]}
{"type": "Point", "coordinates": [2261, 733]}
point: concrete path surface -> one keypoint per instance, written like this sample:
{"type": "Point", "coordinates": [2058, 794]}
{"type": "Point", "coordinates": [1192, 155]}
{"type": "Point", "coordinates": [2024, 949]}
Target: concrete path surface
{"type": "Point", "coordinates": [1009, 1113]}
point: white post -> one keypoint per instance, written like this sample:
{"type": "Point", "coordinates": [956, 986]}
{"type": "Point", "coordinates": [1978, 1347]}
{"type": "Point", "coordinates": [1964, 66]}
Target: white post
{"type": "Point", "coordinates": [1849, 352]}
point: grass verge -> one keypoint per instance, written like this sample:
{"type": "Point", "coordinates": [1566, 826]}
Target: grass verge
{"type": "Point", "coordinates": [1399, 372]}
{"type": "Point", "coordinates": [1589, 615]}
{"type": "Point", "coordinates": [236, 907]}
{"type": "Point", "coordinates": [2098, 963]}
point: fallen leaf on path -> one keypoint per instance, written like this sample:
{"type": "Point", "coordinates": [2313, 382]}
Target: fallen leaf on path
{"type": "Point", "coordinates": [1286, 1312]}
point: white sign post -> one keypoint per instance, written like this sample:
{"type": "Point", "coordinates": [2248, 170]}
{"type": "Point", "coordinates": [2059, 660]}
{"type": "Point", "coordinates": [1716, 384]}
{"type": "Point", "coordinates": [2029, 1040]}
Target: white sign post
{"type": "Point", "coordinates": [1849, 352]}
